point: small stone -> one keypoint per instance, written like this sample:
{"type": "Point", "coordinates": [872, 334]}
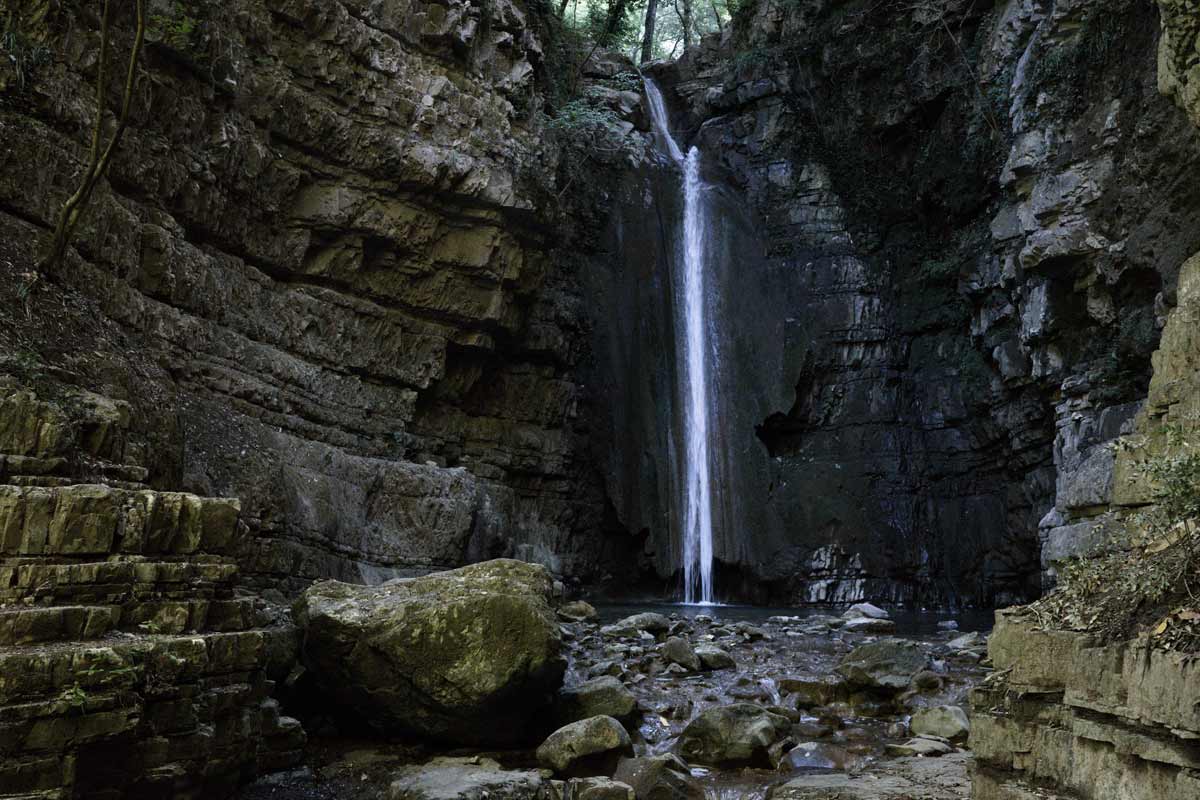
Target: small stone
{"type": "Point", "coordinates": [888, 664]}
{"type": "Point", "coordinates": [602, 696]}
{"type": "Point", "coordinates": [740, 733]}
{"type": "Point", "coordinates": [859, 610]}
{"type": "Point", "coordinates": [945, 722]}
{"type": "Point", "coordinates": [588, 747]}
{"type": "Point", "coordinates": [677, 651]}
{"type": "Point", "coordinates": [631, 626]}
{"type": "Point", "coordinates": [577, 611]}
{"type": "Point", "coordinates": [869, 625]}
{"type": "Point", "coordinates": [714, 658]}
{"type": "Point", "coordinates": [920, 746]}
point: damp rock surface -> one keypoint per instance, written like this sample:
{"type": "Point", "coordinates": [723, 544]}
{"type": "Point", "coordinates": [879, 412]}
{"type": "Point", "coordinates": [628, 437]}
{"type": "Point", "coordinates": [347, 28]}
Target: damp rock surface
{"type": "Point", "coordinates": [471, 655]}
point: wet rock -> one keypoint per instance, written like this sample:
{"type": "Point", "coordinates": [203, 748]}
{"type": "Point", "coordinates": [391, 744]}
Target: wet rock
{"type": "Point", "coordinates": [888, 664]}
{"type": "Point", "coordinates": [927, 681]}
{"type": "Point", "coordinates": [948, 625]}
{"type": "Point", "coordinates": [589, 747]}
{"type": "Point", "coordinates": [869, 625]}
{"type": "Point", "coordinates": [901, 779]}
{"type": "Point", "coordinates": [467, 779]}
{"type": "Point", "coordinates": [808, 691]}
{"type": "Point", "coordinates": [714, 658]}
{"type": "Point", "coordinates": [859, 610]}
{"type": "Point", "coordinates": [920, 746]}
{"type": "Point", "coordinates": [966, 642]}
{"type": "Point", "coordinates": [751, 633]}
{"type": "Point", "coordinates": [677, 651]}
{"type": "Point", "coordinates": [945, 722]}
{"type": "Point", "coordinates": [467, 656]}
{"type": "Point", "coordinates": [729, 735]}
{"type": "Point", "coordinates": [599, 789]}
{"type": "Point", "coordinates": [810, 728]}
{"type": "Point", "coordinates": [663, 777]}
{"type": "Point", "coordinates": [577, 611]}
{"type": "Point", "coordinates": [602, 696]}
{"type": "Point", "coordinates": [632, 626]}
{"type": "Point", "coordinates": [606, 667]}
{"type": "Point", "coordinates": [814, 755]}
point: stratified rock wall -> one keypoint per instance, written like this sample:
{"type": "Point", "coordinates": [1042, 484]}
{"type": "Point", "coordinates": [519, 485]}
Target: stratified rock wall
{"type": "Point", "coordinates": [967, 225]}
{"type": "Point", "coordinates": [323, 272]}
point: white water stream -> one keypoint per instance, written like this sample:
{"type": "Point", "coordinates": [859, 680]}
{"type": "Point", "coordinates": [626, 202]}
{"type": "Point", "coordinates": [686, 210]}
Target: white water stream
{"type": "Point", "coordinates": [692, 326]}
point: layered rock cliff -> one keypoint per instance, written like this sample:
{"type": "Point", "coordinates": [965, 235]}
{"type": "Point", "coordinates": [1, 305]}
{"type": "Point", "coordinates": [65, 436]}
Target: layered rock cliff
{"type": "Point", "coordinates": [322, 274]}
{"type": "Point", "coordinates": [952, 235]}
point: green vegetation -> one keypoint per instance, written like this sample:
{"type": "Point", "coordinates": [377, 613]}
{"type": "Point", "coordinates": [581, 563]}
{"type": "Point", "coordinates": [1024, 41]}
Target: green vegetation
{"type": "Point", "coordinates": [102, 676]}
{"type": "Point", "coordinates": [621, 24]}
{"type": "Point", "coordinates": [21, 57]}
{"type": "Point", "coordinates": [179, 29]}
{"type": "Point", "coordinates": [1147, 575]}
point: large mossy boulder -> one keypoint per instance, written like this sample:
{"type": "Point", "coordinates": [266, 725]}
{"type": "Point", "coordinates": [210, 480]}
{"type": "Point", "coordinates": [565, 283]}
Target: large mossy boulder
{"type": "Point", "coordinates": [469, 656]}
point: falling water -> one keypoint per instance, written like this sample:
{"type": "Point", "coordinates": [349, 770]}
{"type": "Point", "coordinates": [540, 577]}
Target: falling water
{"type": "Point", "coordinates": [697, 534]}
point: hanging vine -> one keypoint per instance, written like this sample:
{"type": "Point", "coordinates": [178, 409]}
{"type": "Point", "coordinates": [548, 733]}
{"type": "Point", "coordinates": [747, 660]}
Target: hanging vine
{"type": "Point", "coordinates": [98, 160]}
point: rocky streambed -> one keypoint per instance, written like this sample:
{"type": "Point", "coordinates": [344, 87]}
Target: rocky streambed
{"type": "Point", "coordinates": [478, 684]}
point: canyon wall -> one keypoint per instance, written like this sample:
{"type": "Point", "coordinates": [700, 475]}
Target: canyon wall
{"type": "Point", "coordinates": [341, 272]}
{"type": "Point", "coordinates": [322, 273]}
{"type": "Point", "coordinates": [966, 226]}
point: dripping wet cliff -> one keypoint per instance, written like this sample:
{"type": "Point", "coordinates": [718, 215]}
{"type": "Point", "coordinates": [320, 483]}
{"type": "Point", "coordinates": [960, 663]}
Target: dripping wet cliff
{"type": "Point", "coordinates": [951, 235]}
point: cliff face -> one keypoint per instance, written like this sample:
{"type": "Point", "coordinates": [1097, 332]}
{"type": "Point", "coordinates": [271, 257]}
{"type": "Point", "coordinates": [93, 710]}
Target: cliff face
{"type": "Point", "coordinates": [339, 272]}
{"type": "Point", "coordinates": [966, 222]}
{"type": "Point", "coordinates": [322, 274]}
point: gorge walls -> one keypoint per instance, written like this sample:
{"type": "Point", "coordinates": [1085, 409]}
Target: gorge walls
{"type": "Point", "coordinates": [342, 272]}
{"type": "Point", "coordinates": [954, 233]}
{"type": "Point", "coordinates": [322, 275]}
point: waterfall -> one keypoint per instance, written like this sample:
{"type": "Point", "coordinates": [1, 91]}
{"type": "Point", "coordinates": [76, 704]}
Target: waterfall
{"type": "Point", "coordinates": [692, 326]}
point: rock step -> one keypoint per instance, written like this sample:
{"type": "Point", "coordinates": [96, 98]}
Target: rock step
{"type": "Point", "coordinates": [175, 617]}
{"type": "Point", "coordinates": [42, 672]}
{"type": "Point", "coordinates": [93, 737]}
{"type": "Point", "coordinates": [113, 582]}
{"type": "Point", "coordinates": [31, 625]}
{"type": "Point", "coordinates": [97, 520]}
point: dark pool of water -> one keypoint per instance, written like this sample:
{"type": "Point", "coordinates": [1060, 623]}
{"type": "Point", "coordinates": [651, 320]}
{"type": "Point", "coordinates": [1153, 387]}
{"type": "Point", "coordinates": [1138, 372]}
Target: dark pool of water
{"type": "Point", "coordinates": [909, 622]}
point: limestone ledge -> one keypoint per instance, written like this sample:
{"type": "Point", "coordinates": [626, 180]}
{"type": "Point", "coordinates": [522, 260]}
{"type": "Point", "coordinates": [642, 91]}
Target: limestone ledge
{"type": "Point", "coordinates": [1092, 720]}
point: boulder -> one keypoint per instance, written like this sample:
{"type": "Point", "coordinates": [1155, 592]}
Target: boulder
{"type": "Point", "coordinates": [677, 651]}
{"type": "Point", "coordinates": [662, 777]}
{"type": "Point", "coordinates": [632, 626]}
{"type": "Point", "coordinates": [859, 610]}
{"type": "Point", "coordinates": [887, 665]}
{"type": "Point", "coordinates": [602, 696]}
{"type": "Point", "coordinates": [945, 722]}
{"type": "Point", "coordinates": [808, 691]}
{"type": "Point", "coordinates": [589, 747]}
{"type": "Point", "coordinates": [577, 611]}
{"type": "Point", "coordinates": [869, 625]}
{"type": "Point", "coordinates": [467, 779]}
{"type": "Point", "coordinates": [734, 734]}
{"type": "Point", "coordinates": [714, 658]}
{"type": "Point", "coordinates": [469, 656]}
